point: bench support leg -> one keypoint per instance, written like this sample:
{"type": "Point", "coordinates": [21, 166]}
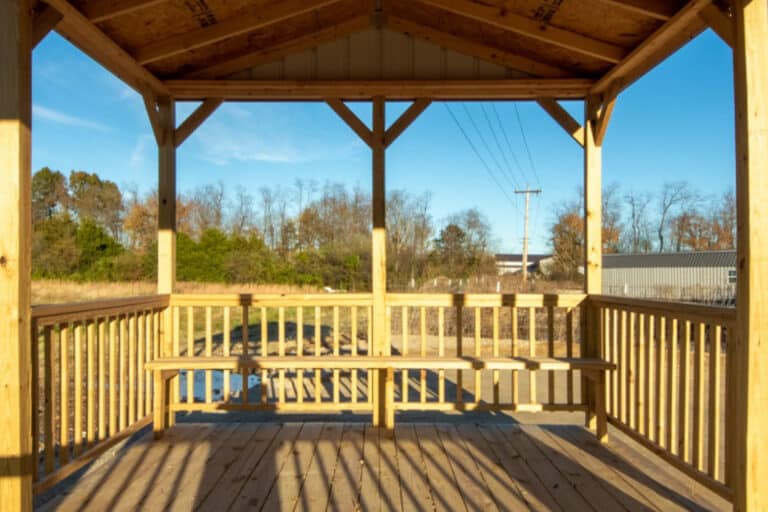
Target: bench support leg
{"type": "Point", "coordinates": [596, 404]}
{"type": "Point", "coordinates": [160, 405]}
{"type": "Point", "coordinates": [384, 398]}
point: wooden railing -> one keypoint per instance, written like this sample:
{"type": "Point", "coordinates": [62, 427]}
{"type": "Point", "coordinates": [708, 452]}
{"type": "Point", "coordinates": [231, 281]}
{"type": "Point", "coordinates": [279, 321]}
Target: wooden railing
{"type": "Point", "coordinates": [339, 324]}
{"type": "Point", "coordinates": [670, 389]}
{"type": "Point", "coordinates": [89, 385]}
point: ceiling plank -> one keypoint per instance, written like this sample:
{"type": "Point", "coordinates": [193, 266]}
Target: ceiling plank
{"type": "Point", "coordinates": [93, 42]}
{"type": "Point", "coordinates": [195, 119]}
{"type": "Point", "coordinates": [227, 28]}
{"type": "Point", "coordinates": [321, 90]}
{"type": "Point", "coordinates": [531, 28]}
{"type": "Point", "coordinates": [481, 51]}
{"type": "Point", "coordinates": [563, 118]}
{"type": "Point", "coordinates": [44, 21]}
{"type": "Point", "coordinates": [659, 9]}
{"type": "Point", "coordinates": [683, 27]}
{"type": "Point", "coordinates": [282, 49]}
{"type": "Point", "coordinates": [354, 122]}
{"type": "Point", "coordinates": [103, 10]}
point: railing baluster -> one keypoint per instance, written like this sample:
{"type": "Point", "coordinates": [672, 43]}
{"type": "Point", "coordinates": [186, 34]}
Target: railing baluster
{"type": "Point", "coordinates": [685, 392]}
{"type": "Point", "coordinates": [614, 375]}
{"type": "Point", "coordinates": [631, 404]}
{"type": "Point", "coordinates": [147, 358]}
{"type": "Point", "coordinates": [640, 380]}
{"type": "Point", "coordinates": [496, 389]}
{"type": "Point", "coordinates": [64, 393]}
{"type": "Point", "coordinates": [123, 375]}
{"type": "Point", "coordinates": [353, 351]}
{"type": "Point", "coordinates": [113, 376]}
{"type": "Point", "coordinates": [264, 380]}
{"type": "Point", "coordinates": [140, 364]}
{"type": "Point", "coordinates": [698, 405]}
{"type": "Point", "coordinates": [190, 352]}
{"type": "Point", "coordinates": [318, 371]}
{"type": "Point", "coordinates": [404, 352]}
{"type": "Point", "coordinates": [208, 353]}
{"type": "Point", "coordinates": [568, 353]}
{"type": "Point", "coordinates": [78, 419]}
{"type": "Point", "coordinates": [550, 353]}
{"type": "Point", "coordinates": [281, 353]}
{"type": "Point", "coordinates": [649, 373]}
{"type": "Point", "coordinates": [132, 369]}
{"type": "Point", "coordinates": [514, 353]}
{"type": "Point", "coordinates": [532, 398]}
{"type": "Point", "coordinates": [102, 364]}
{"type": "Point", "coordinates": [50, 399]}
{"type": "Point", "coordinates": [226, 350]}
{"type": "Point", "coordinates": [478, 353]}
{"type": "Point", "coordinates": [672, 390]}
{"type": "Point", "coordinates": [441, 353]}
{"type": "Point", "coordinates": [35, 392]}
{"type": "Point", "coordinates": [459, 353]}
{"type": "Point", "coordinates": [661, 375]}
{"type": "Point", "coordinates": [368, 379]}
{"type": "Point", "coordinates": [423, 353]}
{"type": "Point", "coordinates": [245, 337]}
{"type": "Point", "coordinates": [713, 432]}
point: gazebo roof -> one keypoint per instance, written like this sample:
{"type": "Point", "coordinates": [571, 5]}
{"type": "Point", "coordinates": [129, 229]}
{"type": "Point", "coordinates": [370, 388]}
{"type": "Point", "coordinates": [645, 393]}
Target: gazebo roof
{"type": "Point", "coordinates": [441, 49]}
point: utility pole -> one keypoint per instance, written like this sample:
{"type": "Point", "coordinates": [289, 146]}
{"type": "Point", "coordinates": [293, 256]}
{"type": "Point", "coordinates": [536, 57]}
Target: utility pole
{"type": "Point", "coordinates": [527, 193]}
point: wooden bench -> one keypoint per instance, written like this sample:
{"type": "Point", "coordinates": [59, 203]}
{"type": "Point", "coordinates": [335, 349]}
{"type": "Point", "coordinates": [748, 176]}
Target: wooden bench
{"type": "Point", "coordinates": [168, 367]}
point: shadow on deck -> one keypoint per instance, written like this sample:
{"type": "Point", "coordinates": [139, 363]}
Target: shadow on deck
{"type": "Point", "coordinates": [431, 461]}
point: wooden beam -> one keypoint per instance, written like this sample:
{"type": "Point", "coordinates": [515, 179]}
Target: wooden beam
{"type": "Point", "coordinates": [227, 28]}
{"type": "Point", "coordinates": [748, 374]}
{"type": "Point", "coordinates": [680, 29]}
{"type": "Point", "coordinates": [352, 120]}
{"type": "Point", "coordinates": [17, 462]}
{"type": "Point", "coordinates": [501, 18]}
{"type": "Point", "coordinates": [604, 116]}
{"type": "Point", "coordinates": [102, 10]}
{"type": "Point", "coordinates": [166, 187]}
{"type": "Point", "coordinates": [481, 51]}
{"type": "Point", "coordinates": [46, 19]}
{"type": "Point", "coordinates": [405, 120]}
{"type": "Point", "coordinates": [659, 9]}
{"type": "Point", "coordinates": [282, 49]}
{"type": "Point", "coordinates": [195, 119]}
{"type": "Point", "coordinates": [151, 107]}
{"type": "Point", "coordinates": [720, 22]}
{"type": "Point", "coordinates": [563, 118]}
{"type": "Point", "coordinates": [319, 90]}
{"type": "Point", "coordinates": [94, 43]}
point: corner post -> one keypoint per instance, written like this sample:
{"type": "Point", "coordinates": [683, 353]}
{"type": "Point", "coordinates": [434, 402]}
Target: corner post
{"type": "Point", "coordinates": [16, 451]}
{"type": "Point", "coordinates": [166, 227]}
{"type": "Point", "coordinates": [747, 471]}
{"type": "Point", "coordinates": [593, 247]}
{"type": "Point", "coordinates": [383, 414]}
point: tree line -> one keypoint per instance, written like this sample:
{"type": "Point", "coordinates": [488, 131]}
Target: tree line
{"type": "Point", "coordinates": [87, 228]}
{"type": "Point", "coordinates": [675, 218]}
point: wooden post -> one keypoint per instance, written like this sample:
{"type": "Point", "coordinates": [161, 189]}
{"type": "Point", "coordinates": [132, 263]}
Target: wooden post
{"type": "Point", "coordinates": [165, 119]}
{"type": "Point", "coordinates": [16, 450]}
{"type": "Point", "coordinates": [748, 352]}
{"type": "Point", "coordinates": [593, 252]}
{"type": "Point", "coordinates": [383, 416]}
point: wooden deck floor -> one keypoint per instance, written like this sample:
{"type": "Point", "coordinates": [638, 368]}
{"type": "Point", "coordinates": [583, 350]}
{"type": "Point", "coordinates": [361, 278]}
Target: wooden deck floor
{"type": "Point", "coordinates": [352, 466]}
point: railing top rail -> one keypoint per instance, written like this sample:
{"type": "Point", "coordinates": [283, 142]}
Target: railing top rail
{"type": "Point", "coordinates": [54, 313]}
{"type": "Point", "coordinates": [485, 299]}
{"type": "Point", "coordinates": [272, 300]}
{"type": "Point", "coordinates": [708, 314]}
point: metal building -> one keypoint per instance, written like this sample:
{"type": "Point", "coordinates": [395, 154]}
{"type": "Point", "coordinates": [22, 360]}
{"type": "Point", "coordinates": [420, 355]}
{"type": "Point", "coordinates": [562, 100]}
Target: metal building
{"type": "Point", "coordinates": [706, 277]}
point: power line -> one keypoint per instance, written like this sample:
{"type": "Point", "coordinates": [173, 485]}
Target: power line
{"type": "Point", "coordinates": [527, 149]}
{"type": "Point", "coordinates": [479, 157]}
{"type": "Point", "coordinates": [487, 147]}
{"type": "Point", "coordinates": [498, 144]}
{"type": "Point", "coordinates": [509, 142]}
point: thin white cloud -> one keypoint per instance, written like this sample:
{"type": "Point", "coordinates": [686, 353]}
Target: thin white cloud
{"type": "Point", "coordinates": [140, 152]}
{"type": "Point", "coordinates": [54, 116]}
{"type": "Point", "coordinates": [221, 144]}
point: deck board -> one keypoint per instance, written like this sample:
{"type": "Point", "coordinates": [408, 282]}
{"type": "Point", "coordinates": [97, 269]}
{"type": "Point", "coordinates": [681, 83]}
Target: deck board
{"type": "Point", "coordinates": [353, 466]}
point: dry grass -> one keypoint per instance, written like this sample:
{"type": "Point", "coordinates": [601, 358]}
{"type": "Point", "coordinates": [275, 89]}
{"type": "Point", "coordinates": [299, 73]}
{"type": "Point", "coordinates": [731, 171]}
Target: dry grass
{"type": "Point", "coordinates": [51, 291]}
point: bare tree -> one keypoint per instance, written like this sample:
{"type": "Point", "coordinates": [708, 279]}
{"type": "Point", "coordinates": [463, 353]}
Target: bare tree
{"type": "Point", "coordinates": [242, 213]}
{"type": "Point", "coordinates": [672, 196]}
{"type": "Point", "coordinates": [638, 222]}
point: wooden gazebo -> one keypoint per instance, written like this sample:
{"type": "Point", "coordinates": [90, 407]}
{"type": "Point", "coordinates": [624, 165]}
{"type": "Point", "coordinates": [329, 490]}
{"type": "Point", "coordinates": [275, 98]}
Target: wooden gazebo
{"type": "Point", "coordinates": [663, 384]}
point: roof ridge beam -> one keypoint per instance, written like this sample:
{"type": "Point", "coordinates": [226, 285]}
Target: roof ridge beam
{"type": "Point", "coordinates": [501, 18]}
{"type": "Point", "coordinates": [91, 40]}
{"type": "Point", "coordinates": [230, 27]}
{"type": "Point", "coordinates": [669, 37]}
{"type": "Point", "coordinates": [481, 51]}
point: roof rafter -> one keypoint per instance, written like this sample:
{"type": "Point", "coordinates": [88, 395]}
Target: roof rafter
{"type": "Point", "coordinates": [683, 27]}
{"type": "Point", "coordinates": [313, 90]}
{"type": "Point", "coordinates": [95, 43]}
{"type": "Point", "coordinates": [481, 51]}
{"type": "Point", "coordinates": [721, 23]}
{"type": "Point", "coordinates": [503, 19]}
{"type": "Point", "coordinates": [226, 29]}
{"type": "Point", "coordinates": [659, 9]}
{"type": "Point", "coordinates": [281, 49]}
{"type": "Point", "coordinates": [44, 21]}
{"type": "Point", "coordinates": [103, 10]}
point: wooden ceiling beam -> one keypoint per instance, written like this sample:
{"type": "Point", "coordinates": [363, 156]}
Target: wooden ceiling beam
{"type": "Point", "coordinates": [103, 10]}
{"type": "Point", "coordinates": [659, 9]}
{"type": "Point", "coordinates": [481, 51]}
{"type": "Point", "coordinates": [271, 53]}
{"type": "Point", "coordinates": [320, 90]}
{"type": "Point", "coordinates": [683, 27]}
{"type": "Point", "coordinates": [501, 18]}
{"type": "Point", "coordinates": [225, 29]}
{"type": "Point", "coordinates": [81, 32]}
{"type": "Point", "coordinates": [195, 119]}
{"type": "Point", "coordinates": [44, 21]}
{"type": "Point", "coordinates": [721, 23]}
{"type": "Point", "coordinates": [563, 118]}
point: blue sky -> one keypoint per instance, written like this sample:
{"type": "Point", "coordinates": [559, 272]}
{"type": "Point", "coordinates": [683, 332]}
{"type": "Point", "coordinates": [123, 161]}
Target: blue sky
{"type": "Point", "coordinates": [674, 124]}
